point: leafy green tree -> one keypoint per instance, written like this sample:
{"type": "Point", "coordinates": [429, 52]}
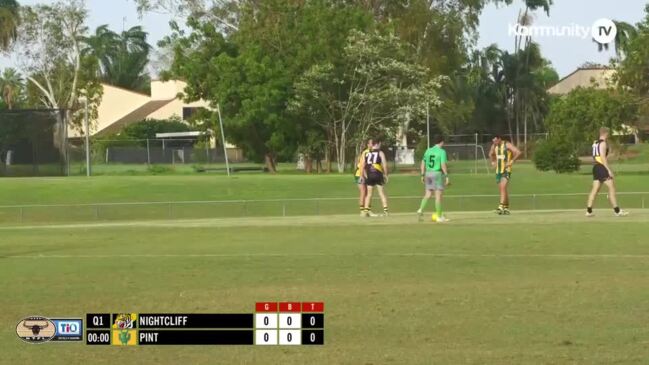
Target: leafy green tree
{"type": "Point", "coordinates": [632, 70]}
{"type": "Point", "coordinates": [147, 129]}
{"type": "Point", "coordinates": [574, 120]}
{"type": "Point", "coordinates": [250, 73]}
{"type": "Point", "coordinates": [9, 22]}
{"type": "Point", "coordinates": [375, 89]}
{"type": "Point", "coordinates": [122, 58]}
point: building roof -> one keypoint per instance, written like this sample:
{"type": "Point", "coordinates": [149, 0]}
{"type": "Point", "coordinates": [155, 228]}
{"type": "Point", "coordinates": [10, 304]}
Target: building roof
{"type": "Point", "coordinates": [103, 84]}
{"type": "Point", "coordinates": [596, 76]}
{"type": "Point", "coordinates": [135, 116]}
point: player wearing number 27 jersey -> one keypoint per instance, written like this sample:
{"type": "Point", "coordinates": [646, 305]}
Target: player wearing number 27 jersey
{"type": "Point", "coordinates": [375, 175]}
{"type": "Point", "coordinates": [434, 174]}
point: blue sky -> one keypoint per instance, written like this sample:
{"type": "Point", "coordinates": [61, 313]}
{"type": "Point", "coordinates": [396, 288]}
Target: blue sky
{"type": "Point", "coordinates": [566, 53]}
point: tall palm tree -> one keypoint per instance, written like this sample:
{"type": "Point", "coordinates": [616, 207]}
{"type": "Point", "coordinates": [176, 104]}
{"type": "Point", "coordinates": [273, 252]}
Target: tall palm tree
{"type": "Point", "coordinates": [9, 21]}
{"type": "Point", "coordinates": [11, 84]}
{"type": "Point", "coordinates": [122, 58]}
{"type": "Point", "coordinates": [625, 33]}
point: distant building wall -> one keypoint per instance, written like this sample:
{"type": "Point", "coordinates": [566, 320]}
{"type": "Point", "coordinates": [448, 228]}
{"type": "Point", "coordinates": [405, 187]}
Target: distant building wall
{"type": "Point", "coordinates": [115, 104]}
{"type": "Point", "coordinates": [120, 107]}
{"type": "Point", "coordinates": [599, 78]}
{"type": "Point", "coordinates": [175, 109]}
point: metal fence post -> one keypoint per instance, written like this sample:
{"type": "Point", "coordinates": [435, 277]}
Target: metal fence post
{"type": "Point", "coordinates": [97, 212]}
{"type": "Point", "coordinates": [148, 152]}
{"type": "Point", "coordinates": [171, 210]}
{"type": "Point", "coordinates": [534, 202]}
{"type": "Point", "coordinates": [476, 154]}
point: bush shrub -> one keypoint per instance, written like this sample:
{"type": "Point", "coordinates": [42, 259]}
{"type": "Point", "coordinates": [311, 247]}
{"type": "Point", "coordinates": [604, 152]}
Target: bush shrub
{"type": "Point", "coordinates": [557, 156]}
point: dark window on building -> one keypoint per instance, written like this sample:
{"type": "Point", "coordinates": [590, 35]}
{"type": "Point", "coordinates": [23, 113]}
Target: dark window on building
{"type": "Point", "coordinates": [188, 112]}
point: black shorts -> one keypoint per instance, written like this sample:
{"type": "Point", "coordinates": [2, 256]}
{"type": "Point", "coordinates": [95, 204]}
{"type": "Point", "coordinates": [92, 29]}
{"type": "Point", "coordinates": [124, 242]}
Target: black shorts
{"type": "Point", "coordinates": [374, 178]}
{"type": "Point", "coordinates": [600, 173]}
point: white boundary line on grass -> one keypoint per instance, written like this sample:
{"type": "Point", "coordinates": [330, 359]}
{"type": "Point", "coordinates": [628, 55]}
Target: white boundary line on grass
{"type": "Point", "coordinates": [308, 219]}
{"type": "Point", "coordinates": [271, 255]}
{"type": "Point", "coordinates": [189, 202]}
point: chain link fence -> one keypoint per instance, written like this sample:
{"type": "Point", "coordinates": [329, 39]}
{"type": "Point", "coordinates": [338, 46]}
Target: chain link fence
{"type": "Point", "coordinates": [33, 143]}
{"type": "Point", "coordinates": [118, 155]}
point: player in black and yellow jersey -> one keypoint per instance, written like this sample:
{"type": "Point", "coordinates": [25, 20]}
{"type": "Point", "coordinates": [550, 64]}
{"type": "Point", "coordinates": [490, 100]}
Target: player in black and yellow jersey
{"type": "Point", "coordinates": [503, 154]}
{"type": "Point", "coordinates": [358, 177]}
{"type": "Point", "coordinates": [602, 174]}
{"type": "Point", "coordinates": [375, 174]}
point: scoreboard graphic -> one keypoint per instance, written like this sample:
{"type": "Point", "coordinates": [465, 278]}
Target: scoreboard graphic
{"type": "Point", "coordinates": [272, 324]}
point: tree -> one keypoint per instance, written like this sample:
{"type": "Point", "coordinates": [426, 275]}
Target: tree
{"type": "Point", "coordinates": [574, 121]}
{"type": "Point", "coordinates": [250, 73]}
{"type": "Point", "coordinates": [11, 87]}
{"type": "Point", "coordinates": [633, 65]}
{"type": "Point", "coordinates": [575, 118]}
{"type": "Point", "coordinates": [51, 51]}
{"type": "Point", "coordinates": [122, 58]}
{"type": "Point", "coordinates": [223, 14]}
{"type": "Point", "coordinates": [374, 89]}
{"type": "Point", "coordinates": [625, 34]}
{"type": "Point", "coordinates": [9, 22]}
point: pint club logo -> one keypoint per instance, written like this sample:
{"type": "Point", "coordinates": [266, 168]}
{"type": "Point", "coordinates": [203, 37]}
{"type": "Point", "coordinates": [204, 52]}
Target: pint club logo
{"type": "Point", "coordinates": [36, 329]}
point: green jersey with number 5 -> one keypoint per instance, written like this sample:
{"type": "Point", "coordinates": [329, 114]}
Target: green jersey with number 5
{"type": "Point", "coordinates": [434, 158]}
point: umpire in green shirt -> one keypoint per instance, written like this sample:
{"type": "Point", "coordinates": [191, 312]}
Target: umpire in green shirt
{"type": "Point", "coordinates": [434, 175]}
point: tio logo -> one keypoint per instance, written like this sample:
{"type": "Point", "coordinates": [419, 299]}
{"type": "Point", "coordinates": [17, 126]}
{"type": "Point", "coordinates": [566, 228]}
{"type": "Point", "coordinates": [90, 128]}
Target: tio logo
{"type": "Point", "coordinates": [604, 31]}
{"type": "Point", "coordinates": [68, 328]}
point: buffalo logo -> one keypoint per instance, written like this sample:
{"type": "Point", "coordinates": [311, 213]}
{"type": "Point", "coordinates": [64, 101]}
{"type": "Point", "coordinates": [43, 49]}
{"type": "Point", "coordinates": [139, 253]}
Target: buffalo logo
{"type": "Point", "coordinates": [36, 329]}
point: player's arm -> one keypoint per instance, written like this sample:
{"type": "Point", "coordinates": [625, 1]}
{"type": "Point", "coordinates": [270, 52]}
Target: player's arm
{"type": "Point", "coordinates": [384, 166]}
{"type": "Point", "coordinates": [445, 168]}
{"type": "Point", "coordinates": [603, 147]}
{"type": "Point", "coordinates": [362, 167]}
{"type": "Point", "coordinates": [517, 153]}
{"type": "Point", "coordinates": [422, 168]}
{"type": "Point", "coordinates": [492, 154]}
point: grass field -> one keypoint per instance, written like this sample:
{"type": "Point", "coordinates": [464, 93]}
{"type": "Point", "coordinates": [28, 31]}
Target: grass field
{"type": "Point", "coordinates": [538, 287]}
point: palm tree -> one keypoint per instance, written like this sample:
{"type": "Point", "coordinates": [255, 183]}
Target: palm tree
{"type": "Point", "coordinates": [122, 57]}
{"type": "Point", "coordinates": [9, 21]}
{"type": "Point", "coordinates": [625, 34]}
{"type": "Point", "coordinates": [11, 84]}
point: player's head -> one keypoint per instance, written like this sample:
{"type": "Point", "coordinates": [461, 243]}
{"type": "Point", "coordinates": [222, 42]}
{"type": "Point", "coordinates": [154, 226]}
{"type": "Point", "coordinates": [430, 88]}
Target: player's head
{"type": "Point", "coordinates": [439, 140]}
{"type": "Point", "coordinates": [498, 138]}
{"type": "Point", "coordinates": [604, 133]}
{"type": "Point", "coordinates": [370, 143]}
{"type": "Point", "coordinates": [376, 144]}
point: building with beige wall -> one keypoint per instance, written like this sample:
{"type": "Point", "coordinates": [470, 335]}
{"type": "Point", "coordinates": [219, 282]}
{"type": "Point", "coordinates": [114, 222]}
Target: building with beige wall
{"type": "Point", "coordinates": [120, 107]}
{"type": "Point", "coordinates": [599, 77]}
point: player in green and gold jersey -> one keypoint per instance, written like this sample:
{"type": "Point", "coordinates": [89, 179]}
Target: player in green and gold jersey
{"type": "Point", "coordinates": [358, 177]}
{"type": "Point", "coordinates": [434, 174]}
{"type": "Point", "coordinates": [503, 154]}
